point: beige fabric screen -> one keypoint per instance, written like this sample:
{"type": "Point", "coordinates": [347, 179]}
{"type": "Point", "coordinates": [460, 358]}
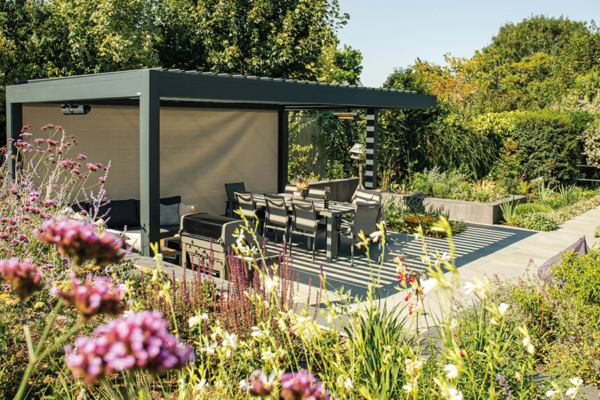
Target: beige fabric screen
{"type": "Point", "coordinates": [201, 149]}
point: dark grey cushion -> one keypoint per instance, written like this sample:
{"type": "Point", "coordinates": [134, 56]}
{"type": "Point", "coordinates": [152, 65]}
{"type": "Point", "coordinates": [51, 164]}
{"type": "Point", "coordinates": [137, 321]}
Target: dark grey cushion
{"type": "Point", "coordinates": [169, 215]}
{"type": "Point", "coordinates": [122, 212]}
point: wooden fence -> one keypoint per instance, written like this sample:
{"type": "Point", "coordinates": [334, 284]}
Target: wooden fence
{"type": "Point", "coordinates": [306, 133]}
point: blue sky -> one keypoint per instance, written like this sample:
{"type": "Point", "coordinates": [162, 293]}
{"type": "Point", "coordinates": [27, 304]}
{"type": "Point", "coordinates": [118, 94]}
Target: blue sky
{"type": "Point", "coordinates": [393, 33]}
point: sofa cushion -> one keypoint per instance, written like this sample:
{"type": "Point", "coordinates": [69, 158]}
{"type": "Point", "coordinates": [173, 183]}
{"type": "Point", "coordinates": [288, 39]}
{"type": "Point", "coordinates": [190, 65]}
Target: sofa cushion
{"type": "Point", "coordinates": [169, 215]}
{"type": "Point", "coordinates": [169, 201]}
{"type": "Point", "coordinates": [122, 212]}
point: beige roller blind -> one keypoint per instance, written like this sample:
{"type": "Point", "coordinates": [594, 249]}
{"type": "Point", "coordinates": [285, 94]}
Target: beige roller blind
{"type": "Point", "coordinates": [201, 149]}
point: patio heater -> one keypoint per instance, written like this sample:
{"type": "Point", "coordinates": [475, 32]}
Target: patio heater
{"type": "Point", "coordinates": [355, 153]}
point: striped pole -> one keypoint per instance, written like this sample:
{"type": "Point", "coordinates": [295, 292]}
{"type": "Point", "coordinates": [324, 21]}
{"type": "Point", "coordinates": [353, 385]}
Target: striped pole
{"type": "Point", "coordinates": [371, 170]}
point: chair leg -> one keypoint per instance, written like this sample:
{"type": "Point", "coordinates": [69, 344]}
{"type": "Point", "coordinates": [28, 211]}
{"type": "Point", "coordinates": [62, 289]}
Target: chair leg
{"type": "Point", "coordinates": [276, 234]}
{"type": "Point", "coordinates": [290, 243]}
{"type": "Point", "coordinates": [352, 250]}
{"type": "Point", "coordinates": [314, 245]}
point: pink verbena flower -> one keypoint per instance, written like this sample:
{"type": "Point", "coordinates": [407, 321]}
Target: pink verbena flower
{"type": "Point", "coordinates": [95, 296]}
{"type": "Point", "coordinates": [259, 384]}
{"type": "Point", "coordinates": [82, 241]}
{"type": "Point", "coordinates": [139, 341]}
{"type": "Point", "coordinates": [25, 277]}
{"type": "Point", "coordinates": [302, 385]}
{"type": "Point", "coordinates": [92, 167]}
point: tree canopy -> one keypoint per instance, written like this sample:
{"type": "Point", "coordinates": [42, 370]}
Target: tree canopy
{"type": "Point", "coordinates": [294, 39]}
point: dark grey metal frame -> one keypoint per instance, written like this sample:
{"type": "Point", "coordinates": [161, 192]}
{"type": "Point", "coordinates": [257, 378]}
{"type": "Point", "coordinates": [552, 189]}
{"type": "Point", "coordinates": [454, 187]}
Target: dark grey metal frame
{"type": "Point", "coordinates": [153, 88]}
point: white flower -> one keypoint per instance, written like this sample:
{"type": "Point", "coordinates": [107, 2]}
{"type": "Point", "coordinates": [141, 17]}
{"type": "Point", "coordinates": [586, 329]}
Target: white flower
{"type": "Point", "coordinates": [271, 284]}
{"type": "Point", "coordinates": [428, 285]}
{"type": "Point", "coordinates": [481, 289]}
{"type": "Point", "coordinates": [353, 309]}
{"type": "Point", "coordinates": [230, 340]}
{"type": "Point", "coordinates": [195, 320]}
{"type": "Point", "coordinates": [454, 394]}
{"type": "Point", "coordinates": [243, 385]}
{"type": "Point", "coordinates": [410, 385]}
{"type": "Point", "coordinates": [258, 333]}
{"type": "Point", "coordinates": [451, 371]}
{"type": "Point", "coordinates": [572, 392]}
{"type": "Point", "coordinates": [268, 355]}
{"type": "Point", "coordinates": [348, 384]}
{"type": "Point", "coordinates": [210, 348]}
{"type": "Point", "coordinates": [445, 257]}
{"type": "Point", "coordinates": [375, 236]}
{"type": "Point", "coordinates": [576, 381]}
{"type": "Point", "coordinates": [502, 308]}
{"type": "Point", "coordinates": [412, 366]}
{"type": "Point", "coordinates": [201, 385]}
{"type": "Point", "coordinates": [552, 393]}
{"type": "Point", "coordinates": [298, 298]}
{"type": "Point", "coordinates": [158, 258]}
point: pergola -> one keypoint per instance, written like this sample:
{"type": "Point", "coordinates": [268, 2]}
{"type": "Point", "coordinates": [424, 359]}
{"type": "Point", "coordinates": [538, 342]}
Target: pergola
{"type": "Point", "coordinates": [151, 89]}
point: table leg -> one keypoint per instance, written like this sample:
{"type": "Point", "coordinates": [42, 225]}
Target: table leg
{"type": "Point", "coordinates": [332, 244]}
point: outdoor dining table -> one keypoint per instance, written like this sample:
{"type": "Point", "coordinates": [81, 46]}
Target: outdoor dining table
{"type": "Point", "coordinates": [332, 213]}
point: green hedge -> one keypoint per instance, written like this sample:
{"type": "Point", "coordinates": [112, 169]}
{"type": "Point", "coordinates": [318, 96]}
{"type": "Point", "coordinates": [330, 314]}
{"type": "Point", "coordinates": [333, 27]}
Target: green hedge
{"type": "Point", "coordinates": [548, 145]}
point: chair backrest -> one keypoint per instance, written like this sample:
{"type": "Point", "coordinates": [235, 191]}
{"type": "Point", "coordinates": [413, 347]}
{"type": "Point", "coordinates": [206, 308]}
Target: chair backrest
{"type": "Point", "coordinates": [277, 213]}
{"type": "Point", "coordinates": [366, 195]}
{"type": "Point", "coordinates": [316, 193]}
{"type": "Point", "coordinates": [366, 218]}
{"type": "Point", "coordinates": [289, 188]}
{"type": "Point", "coordinates": [246, 203]}
{"type": "Point", "coordinates": [232, 187]}
{"type": "Point", "coordinates": [305, 216]}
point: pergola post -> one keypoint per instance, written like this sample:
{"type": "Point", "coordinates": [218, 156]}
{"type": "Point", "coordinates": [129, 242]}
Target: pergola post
{"type": "Point", "coordinates": [282, 150]}
{"type": "Point", "coordinates": [14, 124]}
{"type": "Point", "coordinates": [371, 170]}
{"type": "Point", "coordinates": [149, 160]}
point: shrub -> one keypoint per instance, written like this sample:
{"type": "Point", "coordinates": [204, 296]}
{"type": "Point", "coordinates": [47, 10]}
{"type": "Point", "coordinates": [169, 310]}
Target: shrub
{"type": "Point", "coordinates": [529, 208]}
{"type": "Point", "coordinates": [548, 145]}
{"type": "Point", "coordinates": [539, 222]}
{"type": "Point", "coordinates": [591, 143]}
{"type": "Point", "coordinates": [597, 231]}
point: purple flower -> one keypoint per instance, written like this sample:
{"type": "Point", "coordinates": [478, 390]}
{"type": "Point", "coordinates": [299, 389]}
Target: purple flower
{"type": "Point", "coordinates": [38, 141]}
{"type": "Point", "coordinates": [81, 157]}
{"type": "Point", "coordinates": [82, 241]}
{"type": "Point", "coordinates": [95, 296]}
{"type": "Point", "coordinates": [50, 203]}
{"type": "Point", "coordinates": [139, 341]}
{"type": "Point", "coordinates": [102, 179]}
{"type": "Point", "coordinates": [92, 167]}
{"type": "Point", "coordinates": [6, 287]}
{"type": "Point", "coordinates": [259, 384]}
{"type": "Point", "coordinates": [302, 385]}
{"type": "Point", "coordinates": [25, 277]}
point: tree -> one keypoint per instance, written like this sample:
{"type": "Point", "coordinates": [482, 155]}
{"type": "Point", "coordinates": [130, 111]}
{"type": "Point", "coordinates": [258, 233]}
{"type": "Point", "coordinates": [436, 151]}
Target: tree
{"type": "Point", "coordinates": [277, 38]}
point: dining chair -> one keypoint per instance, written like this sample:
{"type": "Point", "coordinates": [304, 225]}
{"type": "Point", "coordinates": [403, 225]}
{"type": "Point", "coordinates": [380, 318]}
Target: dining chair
{"type": "Point", "coordinates": [232, 203]}
{"type": "Point", "coordinates": [364, 196]}
{"type": "Point", "coordinates": [248, 206]}
{"type": "Point", "coordinates": [365, 219]}
{"type": "Point", "coordinates": [316, 193]}
{"type": "Point", "coordinates": [290, 189]}
{"type": "Point", "coordinates": [277, 217]}
{"type": "Point", "coordinates": [305, 222]}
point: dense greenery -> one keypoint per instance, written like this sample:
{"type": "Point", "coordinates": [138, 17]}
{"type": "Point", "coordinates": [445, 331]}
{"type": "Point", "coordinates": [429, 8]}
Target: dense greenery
{"type": "Point", "coordinates": [562, 315]}
{"type": "Point", "coordinates": [523, 107]}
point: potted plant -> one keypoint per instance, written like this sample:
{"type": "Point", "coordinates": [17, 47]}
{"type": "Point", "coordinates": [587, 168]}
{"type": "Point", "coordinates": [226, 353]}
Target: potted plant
{"type": "Point", "coordinates": [302, 186]}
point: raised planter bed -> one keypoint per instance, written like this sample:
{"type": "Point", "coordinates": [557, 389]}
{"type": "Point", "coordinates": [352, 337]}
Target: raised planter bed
{"type": "Point", "coordinates": [468, 211]}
